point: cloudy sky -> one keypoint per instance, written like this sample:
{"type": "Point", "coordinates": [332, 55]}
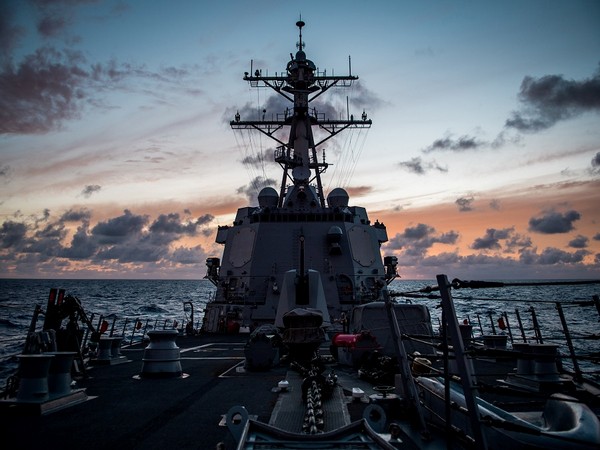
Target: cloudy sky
{"type": "Point", "coordinates": [117, 160]}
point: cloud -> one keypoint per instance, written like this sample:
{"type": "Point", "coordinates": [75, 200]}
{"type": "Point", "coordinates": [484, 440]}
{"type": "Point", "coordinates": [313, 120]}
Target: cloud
{"type": "Point", "coordinates": [44, 218]}
{"type": "Point", "coordinates": [52, 25]}
{"type": "Point", "coordinates": [205, 219]}
{"type": "Point", "coordinates": [5, 173]}
{"type": "Point", "coordinates": [171, 223]}
{"type": "Point", "coordinates": [495, 204]}
{"type": "Point", "coordinates": [257, 160]}
{"type": "Point", "coordinates": [125, 239]}
{"type": "Point", "coordinates": [90, 189]}
{"type": "Point", "coordinates": [464, 203]}
{"type": "Point", "coordinates": [188, 256]}
{"type": "Point", "coordinates": [44, 90]}
{"type": "Point", "coordinates": [415, 241]}
{"type": "Point", "coordinates": [552, 98]}
{"type": "Point", "coordinates": [83, 245]}
{"type": "Point", "coordinates": [553, 222]}
{"type": "Point", "coordinates": [579, 242]}
{"type": "Point", "coordinates": [420, 167]}
{"type": "Point", "coordinates": [12, 234]}
{"type": "Point", "coordinates": [517, 242]}
{"type": "Point", "coordinates": [170, 227]}
{"type": "Point", "coordinates": [119, 229]}
{"type": "Point", "coordinates": [141, 252]}
{"type": "Point", "coordinates": [463, 143]}
{"type": "Point", "coordinates": [81, 215]}
{"type": "Point", "coordinates": [55, 16]}
{"type": "Point", "coordinates": [46, 241]}
{"type": "Point", "coordinates": [491, 240]}
{"type": "Point", "coordinates": [552, 256]}
{"type": "Point", "coordinates": [551, 262]}
{"type": "Point", "coordinates": [444, 259]}
{"type": "Point", "coordinates": [418, 232]}
{"type": "Point", "coordinates": [472, 143]}
{"type": "Point", "coordinates": [596, 163]}
{"type": "Point", "coordinates": [51, 86]}
{"type": "Point", "coordinates": [361, 97]}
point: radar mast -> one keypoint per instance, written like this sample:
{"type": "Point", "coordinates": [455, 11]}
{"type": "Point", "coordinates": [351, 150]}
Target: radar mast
{"type": "Point", "coordinates": [300, 84]}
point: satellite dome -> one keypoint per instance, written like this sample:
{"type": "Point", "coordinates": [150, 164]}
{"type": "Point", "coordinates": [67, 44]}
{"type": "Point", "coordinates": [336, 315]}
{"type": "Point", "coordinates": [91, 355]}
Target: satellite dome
{"type": "Point", "coordinates": [338, 198]}
{"type": "Point", "coordinates": [268, 198]}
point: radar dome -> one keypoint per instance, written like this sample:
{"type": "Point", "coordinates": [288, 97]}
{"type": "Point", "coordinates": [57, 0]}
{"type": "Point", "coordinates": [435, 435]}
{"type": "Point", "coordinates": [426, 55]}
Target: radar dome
{"type": "Point", "coordinates": [268, 197]}
{"type": "Point", "coordinates": [338, 198]}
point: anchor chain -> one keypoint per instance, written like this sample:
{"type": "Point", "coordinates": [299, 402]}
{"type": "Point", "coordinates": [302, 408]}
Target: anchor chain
{"type": "Point", "coordinates": [313, 416]}
{"type": "Point", "coordinates": [315, 388]}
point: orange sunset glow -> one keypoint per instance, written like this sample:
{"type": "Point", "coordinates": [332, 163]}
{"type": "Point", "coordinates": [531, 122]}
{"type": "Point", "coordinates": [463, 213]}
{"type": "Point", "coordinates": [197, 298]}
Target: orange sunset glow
{"type": "Point", "coordinates": [117, 159]}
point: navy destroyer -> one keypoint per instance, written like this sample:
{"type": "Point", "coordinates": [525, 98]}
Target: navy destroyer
{"type": "Point", "coordinates": [297, 248]}
{"type": "Point", "coordinates": [303, 345]}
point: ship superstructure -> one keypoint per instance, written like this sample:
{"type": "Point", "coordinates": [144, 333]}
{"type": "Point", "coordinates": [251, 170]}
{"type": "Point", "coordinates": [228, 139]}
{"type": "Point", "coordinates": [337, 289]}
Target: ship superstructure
{"type": "Point", "coordinates": [298, 247]}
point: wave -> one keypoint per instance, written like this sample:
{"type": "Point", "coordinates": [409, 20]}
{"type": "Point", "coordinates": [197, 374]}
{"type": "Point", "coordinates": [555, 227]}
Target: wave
{"type": "Point", "coordinates": [7, 323]}
{"type": "Point", "coordinates": [152, 309]}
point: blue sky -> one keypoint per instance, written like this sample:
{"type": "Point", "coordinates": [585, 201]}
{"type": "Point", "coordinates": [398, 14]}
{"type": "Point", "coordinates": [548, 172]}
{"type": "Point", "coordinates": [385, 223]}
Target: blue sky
{"type": "Point", "coordinates": [116, 158]}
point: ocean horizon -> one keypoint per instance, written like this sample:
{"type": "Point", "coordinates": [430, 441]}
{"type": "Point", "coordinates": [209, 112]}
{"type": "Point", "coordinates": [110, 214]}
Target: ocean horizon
{"type": "Point", "coordinates": [168, 303]}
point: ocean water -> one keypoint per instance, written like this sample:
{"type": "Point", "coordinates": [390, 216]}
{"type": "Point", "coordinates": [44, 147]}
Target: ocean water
{"type": "Point", "coordinates": [166, 304]}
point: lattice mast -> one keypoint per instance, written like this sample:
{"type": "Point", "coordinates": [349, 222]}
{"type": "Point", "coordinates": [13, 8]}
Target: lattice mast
{"type": "Point", "coordinates": [301, 84]}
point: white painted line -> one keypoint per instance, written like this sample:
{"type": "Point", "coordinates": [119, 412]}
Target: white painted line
{"type": "Point", "coordinates": [224, 374]}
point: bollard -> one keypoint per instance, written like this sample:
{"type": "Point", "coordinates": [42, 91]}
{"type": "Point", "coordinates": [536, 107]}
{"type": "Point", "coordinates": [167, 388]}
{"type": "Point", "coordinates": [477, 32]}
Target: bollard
{"type": "Point", "coordinates": [525, 358]}
{"type": "Point", "coordinates": [33, 370]}
{"type": "Point", "coordinates": [544, 361]}
{"type": "Point", "coordinates": [109, 351]}
{"type": "Point", "coordinates": [161, 356]}
{"type": "Point", "coordinates": [104, 349]}
{"type": "Point", "coordinates": [115, 349]}
{"type": "Point", "coordinates": [59, 375]}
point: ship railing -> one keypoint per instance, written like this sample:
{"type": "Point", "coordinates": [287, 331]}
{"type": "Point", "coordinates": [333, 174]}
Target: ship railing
{"type": "Point", "coordinates": [571, 325]}
{"type": "Point", "coordinates": [132, 329]}
{"type": "Point", "coordinates": [283, 154]}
